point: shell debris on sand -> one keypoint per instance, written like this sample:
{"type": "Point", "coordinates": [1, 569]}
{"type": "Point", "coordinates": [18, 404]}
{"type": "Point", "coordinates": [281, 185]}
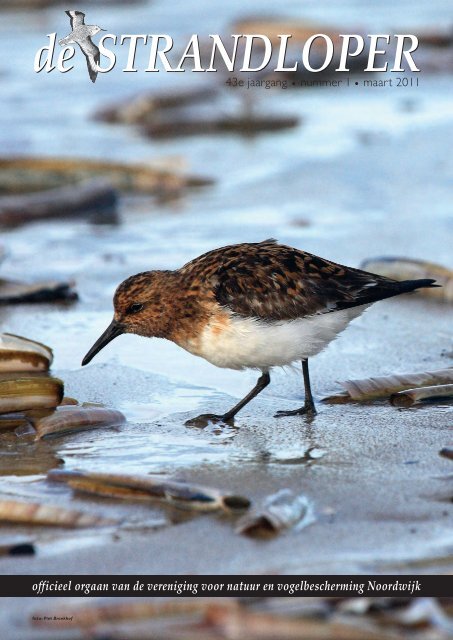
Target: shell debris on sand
{"type": "Point", "coordinates": [71, 418]}
{"type": "Point", "coordinates": [384, 386]}
{"type": "Point", "coordinates": [144, 107]}
{"type": "Point", "coordinates": [280, 511]}
{"type": "Point", "coordinates": [17, 422]}
{"type": "Point", "coordinates": [26, 393]}
{"type": "Point", "coordinates": [447, 452]}
{"type": "Point", "coordinates": [13, 292]}
{"type": "Point", "coordinates": [34, 513]}
{"type": "Point", "coordinates": [408, 269]}
{"type": "Point", "coordinates": [175, 493]}
{"type": "Point", "coordinates": [17, 547]}
{"type": "Point", "coordinates": [30, 398]}
{"type": "Point", "coordinates": [246, 125]}
{"type": "Point", "coordinates": [21, 354]}
{"type": "Point", "coordinates": [24, 174]}
{"type": "Point", "coordinates": [422, 394]}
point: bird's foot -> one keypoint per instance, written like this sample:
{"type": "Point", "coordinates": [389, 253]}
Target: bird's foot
{"type": "Point", "coordinates": [307, 410]}
{"type": "Point", "coordinates": [203, 420]}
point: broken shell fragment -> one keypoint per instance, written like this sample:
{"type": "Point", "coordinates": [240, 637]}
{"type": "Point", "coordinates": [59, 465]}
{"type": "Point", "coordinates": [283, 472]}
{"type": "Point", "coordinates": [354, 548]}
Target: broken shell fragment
{"type": "Point", "coordinates": [243, 125]}
{"type": "Point", "coordinates": [446, 452]}
{"type": "Point", "coordinates": [23, 394]}
{"type": "Point", "coordinates": [34, 513]}
{"type": "Point", "coordinates": [19, 175]}
{"type": "Point", "coordinates": [69, 401]}
{"type": "Point", "coordinates": [143, 108]}
{"type": "Point", "coordinates": [422, 394]}
{"type": "Point", "coordinates": [407, 269]}
{"type": "Point", "coordinates": [17, 547]}
{"type": "Point", "coordinates": [280, 511]}
{"type": "Point", "coordinates": [11, 421]}
{"type": "Point", "coordinates": [85, 199]}
{"type": "Point", "coordinates": [21, 354]}
{"type": "Point", "coordinates": [384, 386]}
{"type": "Point", "coordinates": [179, 494]}
{"type": "Point", "coordinates": [12, 292]}
{"type": "Point", "coordinates": [72, 418]}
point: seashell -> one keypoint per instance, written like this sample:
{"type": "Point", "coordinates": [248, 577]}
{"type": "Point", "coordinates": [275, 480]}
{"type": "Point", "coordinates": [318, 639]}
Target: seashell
{"type": "Point", "coordinates": [422, 394]}
{"type": "Point", "coordinates": [13, 292]}
{"type": "Point", "coordinates": [22, 394]}
{"type": "Point", "coordinates": [282, 510]}
{"type": "Point", "coordinates": [179, 494]}
{"type": "Point", "coordinates": [11, 421]}
{"type": "Point", "coordinates": [196, 125]}
{"type": "Point", "coordinates": [446, 452]}
{"type": "Point", "coordinates": [34, 513]}
{"type": "Point", "coordinates": [408, 269]}
{"type": "Point", "coordinates": [69, 401]}
{"type": "Point", "coordinates": [24, 429]}
{"type": "Point", "coordinates": [245, 622]}
{"type": "Point", "coordinates": [17, 547]}
{"type": "Point", "coordinates": [22, 174]}
{"type": "Point", "coordinates": [73, 418]}
{"type": "Point", "coordinates": [144, 107]}
{"type": "Point", "coordinates": [384, 386]}
{"type": "Point", "coordinates": [21, 354]}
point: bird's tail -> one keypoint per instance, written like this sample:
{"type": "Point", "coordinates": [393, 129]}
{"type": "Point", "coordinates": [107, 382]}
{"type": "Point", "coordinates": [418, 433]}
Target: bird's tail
{"type": "Point", "coordinates": [64, 41]}
{"type": "Point", "coordinates": [411, 285]}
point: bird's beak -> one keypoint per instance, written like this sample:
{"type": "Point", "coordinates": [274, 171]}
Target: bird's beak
{"type": "Point", "coordinates": [113, 330]}
{"type": "Point", "coordinates": [102, 29]}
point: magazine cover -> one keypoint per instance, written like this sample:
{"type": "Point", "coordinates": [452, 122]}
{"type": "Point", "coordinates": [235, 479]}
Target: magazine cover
{"type": "Point", "coordinates": [226, 359]}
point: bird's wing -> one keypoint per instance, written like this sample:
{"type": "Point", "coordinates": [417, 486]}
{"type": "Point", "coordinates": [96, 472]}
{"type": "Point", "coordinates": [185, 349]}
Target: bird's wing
{"type": "Point", "coordinates": [77, 18]}
{"type": "Point", "coordinates": [275, 282]}
{"type": "Point", "coordinates": [91, 53]}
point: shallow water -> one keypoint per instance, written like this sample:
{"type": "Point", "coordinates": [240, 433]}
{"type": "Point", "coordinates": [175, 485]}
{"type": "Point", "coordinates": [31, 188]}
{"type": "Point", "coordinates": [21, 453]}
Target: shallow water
{"type": "Point", "coordinates": [369, 170]}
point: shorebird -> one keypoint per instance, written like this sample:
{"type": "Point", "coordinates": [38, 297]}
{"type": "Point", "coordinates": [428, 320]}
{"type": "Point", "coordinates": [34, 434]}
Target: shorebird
{"type": "Point", "coordinates": [251, 305]}
{"type": "Point", "coordinates": [81, 34]}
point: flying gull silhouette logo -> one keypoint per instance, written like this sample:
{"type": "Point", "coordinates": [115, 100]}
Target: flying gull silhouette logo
{"type": "Point", "coordinates": [81, 34]}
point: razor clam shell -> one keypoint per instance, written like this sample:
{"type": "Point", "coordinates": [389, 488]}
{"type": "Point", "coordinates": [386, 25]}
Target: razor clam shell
{"type": "Point", "coordinates": [25, 174]}
{"type": "Point", "coordinates": [13, 292]}
{"type": "Point", "coordinates": [407, 269]}
{"type": "Point", "coordinates": [23, 394]}
{"type": "Point", "coordinates": [384, 386]}
{"type": "Point", "coordinates": [179, 494]}
{"type": "Point", "coordinates": [12, 421]}
{"type": "Point", "coordinates": [34, 513]}
{"type": "Point", "coordinates": [242, 622]}
{"type": "Point", "coordinates": [72, 418]}
{"type": "Point", "coordinates": [282, 510]}
{"type": "Point", "coordinates": [422, 394]}
{"type": "Point", "coordinates": [21, 354]}
{"type": "Point", "coordinates": [145, 107]}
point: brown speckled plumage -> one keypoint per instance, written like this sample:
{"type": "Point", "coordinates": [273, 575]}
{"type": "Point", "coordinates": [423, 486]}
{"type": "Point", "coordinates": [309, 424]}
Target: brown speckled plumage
{"type": "Point", "coordinates": [270, 281]}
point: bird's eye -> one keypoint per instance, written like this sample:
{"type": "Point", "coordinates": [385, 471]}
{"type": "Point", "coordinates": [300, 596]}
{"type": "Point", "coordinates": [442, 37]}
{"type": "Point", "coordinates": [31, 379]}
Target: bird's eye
{"type": "Point", "coordinates": [134, 307]}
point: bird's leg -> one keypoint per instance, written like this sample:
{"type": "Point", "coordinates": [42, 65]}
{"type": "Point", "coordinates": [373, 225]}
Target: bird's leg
{"type": "Point", "coordinates": [201, 421]}
{"type": "Point", "coordinates": [309, 405]}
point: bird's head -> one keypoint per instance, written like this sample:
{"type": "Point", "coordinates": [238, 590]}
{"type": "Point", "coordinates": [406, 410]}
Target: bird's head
{"type": "Point", "coordinates": [94, 29]}
{"type": "Point", "coordinates": [142, 305]}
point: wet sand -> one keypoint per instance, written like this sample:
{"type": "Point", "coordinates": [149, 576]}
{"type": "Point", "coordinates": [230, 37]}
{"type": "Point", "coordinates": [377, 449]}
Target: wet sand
{"type": "Point", "coordinates": [371, 177]}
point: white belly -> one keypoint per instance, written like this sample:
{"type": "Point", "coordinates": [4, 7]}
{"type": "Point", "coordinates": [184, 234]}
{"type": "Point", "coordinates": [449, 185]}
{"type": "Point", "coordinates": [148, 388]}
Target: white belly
{"type": "Point", "coordinates": [248, 343]}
